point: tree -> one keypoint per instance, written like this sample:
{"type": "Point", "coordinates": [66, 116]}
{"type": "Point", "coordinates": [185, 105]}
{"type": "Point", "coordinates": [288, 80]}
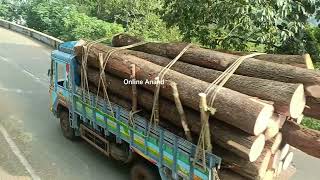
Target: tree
{"type": "Point", "coordinates": [9, 10]}
{"type": "Point", "coordinates": [62, 20]}
{"type": "Point", "coordinates": [140, 17]}
{"type": "Point", "coordinates": [234, 24]}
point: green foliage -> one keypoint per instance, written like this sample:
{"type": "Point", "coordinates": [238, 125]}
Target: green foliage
{"type": "Point", "coordinates": [233, 24]}
{"type": "Point", "coordinates": [152, 28]}
{"type": "Point", "coordinates": [307, 41]}
{"type": "Point", "coordinates": [9, 10]}
{"type": "Point", "coordinates": [140, 17]}
{"type": "Point", "coordinates": [311, 123]}
{"type": "Point", "coordinates": [80, 26]}
{"type": "Point", "coordinates": [64, 21]}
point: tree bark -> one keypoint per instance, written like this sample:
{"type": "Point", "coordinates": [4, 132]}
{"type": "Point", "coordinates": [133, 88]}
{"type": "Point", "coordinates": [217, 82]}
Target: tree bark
{"type": "Point", "coordinates": [251, 170]}
{"type": "Point", "coordinates": [307, 140]}
{"type": "Point", "coordinates": [221, 61]}
{"type": "Point", "coordinates": [227, 174]}
{"type": "Point", "coordinates": [239, 110]}
{"type": "Point", "coordinates": [274, 143]}
{"type": "Point", "coordinates": [244, 145]}
{"type": "Point", "coordinates": [293, 60]}
{"type": "Point", "coordinates": [289, 99]}
{"type": "Point", "coordinates": [312, 108]}
{"type": "Point", "coordinates": [235, 162]}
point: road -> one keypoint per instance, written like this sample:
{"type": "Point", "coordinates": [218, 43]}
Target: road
{"type": "Point", "coordinates": [25, 115]}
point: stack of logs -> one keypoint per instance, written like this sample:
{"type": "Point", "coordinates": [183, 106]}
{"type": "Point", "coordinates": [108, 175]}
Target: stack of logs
{"type": "Point", "coordinates": [258, 111]}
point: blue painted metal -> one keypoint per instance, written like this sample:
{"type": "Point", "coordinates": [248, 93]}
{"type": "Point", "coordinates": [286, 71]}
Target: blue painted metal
{"type": "Point", "coordinates": [160, 146]}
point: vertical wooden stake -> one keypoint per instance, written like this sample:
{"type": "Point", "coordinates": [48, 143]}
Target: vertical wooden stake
{"type": "Point", "coordinates": [179, 106]}
{"type": "Point", "coordinates": [204, 119]}
{"type": "Point", "coordinates": [134, 88]}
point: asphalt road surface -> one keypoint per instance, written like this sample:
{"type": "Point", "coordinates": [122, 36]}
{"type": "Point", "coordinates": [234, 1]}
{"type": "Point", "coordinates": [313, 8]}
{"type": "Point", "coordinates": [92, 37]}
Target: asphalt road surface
{"type": "Point", "coordinates": [39, 149]}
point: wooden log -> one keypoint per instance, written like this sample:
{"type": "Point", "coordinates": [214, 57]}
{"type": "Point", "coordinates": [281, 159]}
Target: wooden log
{"type": "Point", "coordinates": [312, 108]}
{"type": "Point", "coordinates": [308, 61]}
{"type": "Point", "coordinates": [272, 127]}
{"type": "Point", "coordinates": [293, 60]}
{"type": "Point", "coordinates": [287, 160]}
{"type": "Point", "coordinates": [269, 175]}
{"type": "Point", "coordinates": [244, 145]}
{"type": "Point", "coordinates": [221, 61]}
{"type": "Point", "coordinates": [239, 110]}
{"type": "Point", "coordinates": [307, 140]}
{"type": "Point", "coordinates": [275, 160]}
{"type": "Point", "coordinates": [279, 168]}
{"type": "Point", "coordinates": [230, 159]}
{"type": "Point", "coordinates": [274, 143]}
{"type": "Point", "coordinates": [251, 170]}
{"type": "Point", "coordinates": [299, 119]}
{"type": "Point", "coordinates": [237, 165]}
{"type": "Point", "coordinates": [289, 99]}
{"type": "Point", "coordinates": [227, 174]}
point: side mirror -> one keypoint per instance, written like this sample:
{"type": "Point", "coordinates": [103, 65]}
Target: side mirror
{"type": "Point", "coordinates": [49, 72]}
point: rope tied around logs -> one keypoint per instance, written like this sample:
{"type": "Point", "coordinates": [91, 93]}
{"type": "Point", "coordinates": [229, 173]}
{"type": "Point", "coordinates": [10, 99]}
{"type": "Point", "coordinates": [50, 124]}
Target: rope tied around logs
{"type": "Point", "coordinates": [102, 66]}
{"type": "Point", "coordinates": [154, 119]}
{"type": "Point", "coordinates": [204, 142]}
{"type": "Point", "coordinates": [84, 80]}
{"type": "Point", "coordinates": [104, 62]}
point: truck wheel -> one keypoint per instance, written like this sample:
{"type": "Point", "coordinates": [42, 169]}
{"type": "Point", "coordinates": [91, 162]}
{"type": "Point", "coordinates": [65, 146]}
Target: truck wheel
{"type": "Point", "coordinates": [142, 171]}
{"type": "Point", "coordinates": [67, 131]}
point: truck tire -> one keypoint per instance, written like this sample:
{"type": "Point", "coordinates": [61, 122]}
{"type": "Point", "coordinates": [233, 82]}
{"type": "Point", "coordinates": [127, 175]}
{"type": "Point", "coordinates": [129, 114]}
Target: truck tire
{"type": "Point", "coordinates": [142, 171]}
{"type": "Point", "coordinates": [67, 131]}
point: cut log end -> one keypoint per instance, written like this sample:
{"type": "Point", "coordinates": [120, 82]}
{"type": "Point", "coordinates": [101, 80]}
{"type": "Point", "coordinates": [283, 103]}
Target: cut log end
{"type": "Point", "coordinates": [299, 119]}
{"type": "Point", "coordinates": [284, 151]}
{"type": "Point", "coordinates": [263, 119]}
{"type": "Point", "coordinates": [279, 168]}
{"type": "Point", "coordinates": [271, 132]}
{"type": "Point", "coordinates": [257, 148]}
{"type": "Point", "coordinates": [287, 160]}
{"type": "Point", "coordinates": [276, 160]}
{"type": "Point", "coordinates": [269, 175]}
{"type": "Point", "coordinates": [264, 164]}
{"type": "Point", "coordinates": [298, 102]}
{"type": "Point", "coordinates": [276, 143]}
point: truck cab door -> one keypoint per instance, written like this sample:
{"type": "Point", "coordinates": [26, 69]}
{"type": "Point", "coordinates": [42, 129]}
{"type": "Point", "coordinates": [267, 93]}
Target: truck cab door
{"type": "Point", "coordinates": [60, 85]}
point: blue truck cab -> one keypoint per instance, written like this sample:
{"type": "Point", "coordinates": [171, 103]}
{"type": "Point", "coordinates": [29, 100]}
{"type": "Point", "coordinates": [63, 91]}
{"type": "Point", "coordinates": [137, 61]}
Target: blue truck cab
{"type": "Point", "coordinates": [154, 151]}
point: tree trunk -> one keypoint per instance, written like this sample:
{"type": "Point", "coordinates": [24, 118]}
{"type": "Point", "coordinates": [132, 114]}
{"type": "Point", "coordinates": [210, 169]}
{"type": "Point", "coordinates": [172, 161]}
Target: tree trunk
{"type": "Point", "coordinates": [307, 140]}
{"type": "Point", "coordinates": [312, 108]}
{"type": "Point", "coordinates": [251, 170]}
{"type": "Point", "coordinates": [239, 110]}
{"type": "Point", "coordinates": [244, 145]}
{"type": "Point", "coordinates": [274, 143]}
{"type": "Point", "coordinates": [293, 60]}
{"type": "Point", "coordinates": [273, 127]}
{"type": "Point", "coordinates": [289, 99]}
{"type": "Point", "coordinates": [221, 61]}
{"type": "Point", "coordinates": [227, 174]}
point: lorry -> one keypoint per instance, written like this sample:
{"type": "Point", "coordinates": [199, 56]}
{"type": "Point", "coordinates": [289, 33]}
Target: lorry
{"type": "Point", "coordinates": [152, 152]}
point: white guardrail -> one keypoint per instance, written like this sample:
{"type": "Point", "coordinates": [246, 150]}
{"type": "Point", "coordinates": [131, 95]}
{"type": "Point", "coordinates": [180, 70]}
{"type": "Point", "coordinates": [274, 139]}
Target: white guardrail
{"type": "Point", "coordinates": [44, 38]}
